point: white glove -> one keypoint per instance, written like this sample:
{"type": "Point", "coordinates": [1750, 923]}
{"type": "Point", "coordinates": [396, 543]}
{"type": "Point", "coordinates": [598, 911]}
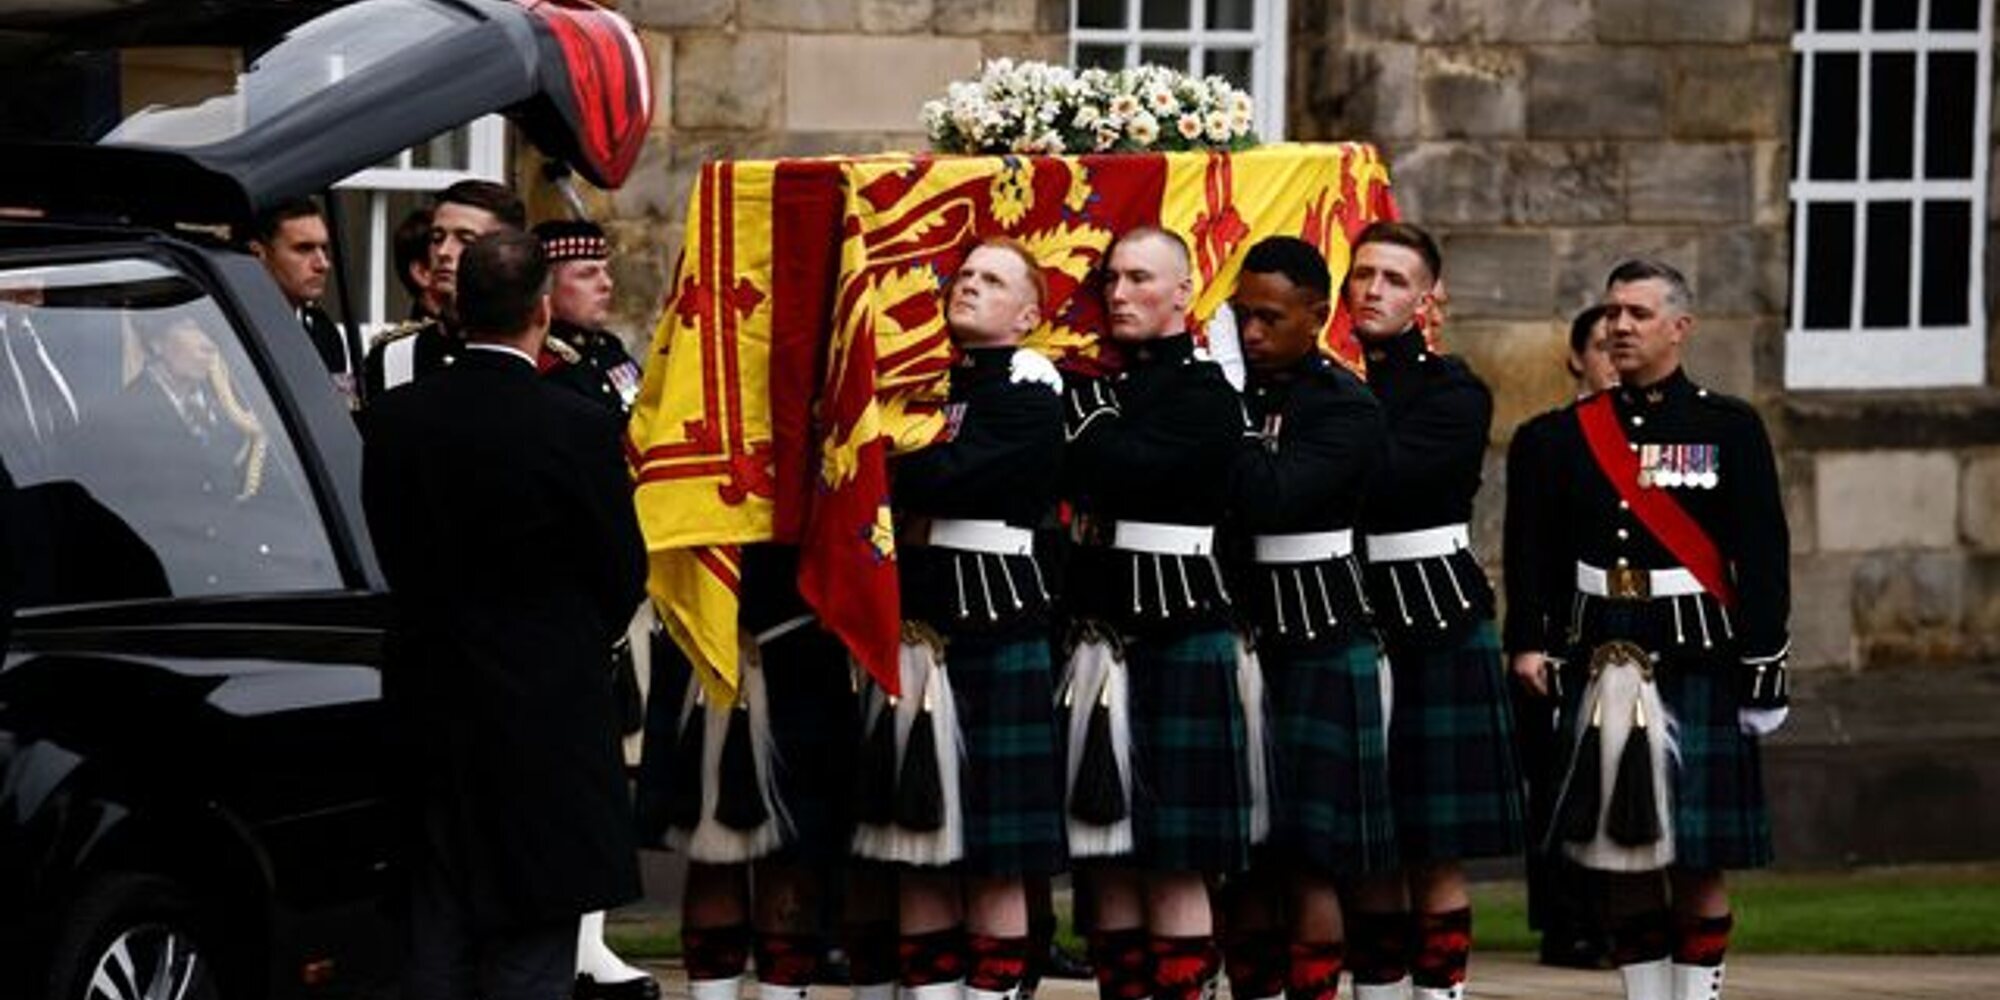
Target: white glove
{"type": "Point", "coordinates": [1761, 721]}
{"type": "Point", "coordinates": [1029, 366]}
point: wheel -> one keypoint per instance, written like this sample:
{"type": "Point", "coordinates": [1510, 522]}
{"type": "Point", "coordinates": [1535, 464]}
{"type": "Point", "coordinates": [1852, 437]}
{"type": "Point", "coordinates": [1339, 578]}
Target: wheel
{"type": "Point", "coordinates": [134, 937]}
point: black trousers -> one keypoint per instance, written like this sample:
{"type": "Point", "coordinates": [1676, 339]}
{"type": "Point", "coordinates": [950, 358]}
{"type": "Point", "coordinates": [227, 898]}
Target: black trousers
{"type": "Point", "coordinates": [451, 960]}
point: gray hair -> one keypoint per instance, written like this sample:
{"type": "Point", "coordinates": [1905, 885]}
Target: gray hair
{"type": "Point", "coordinates": [1679, 297]}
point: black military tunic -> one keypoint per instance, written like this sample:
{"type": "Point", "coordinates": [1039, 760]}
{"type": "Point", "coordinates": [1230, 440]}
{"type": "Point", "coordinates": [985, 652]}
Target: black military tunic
{"type": "Point", "coordinates": [420, 346]}
{"type": "Point", "coordinates": [601, 368]}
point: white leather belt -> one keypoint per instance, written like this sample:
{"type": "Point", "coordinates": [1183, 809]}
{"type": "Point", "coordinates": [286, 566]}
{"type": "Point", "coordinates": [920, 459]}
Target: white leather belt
{"type": "Point", "coordinates": [1628, 584]}
{"type": "Point", "coordinates": [1306, 547]}
{"type": "Point", "coordinates": [994, 537]}
{"type": "Point", "coordinates": [1163, 539]}
{"type": "Point", "coordinates": [1427, 543]}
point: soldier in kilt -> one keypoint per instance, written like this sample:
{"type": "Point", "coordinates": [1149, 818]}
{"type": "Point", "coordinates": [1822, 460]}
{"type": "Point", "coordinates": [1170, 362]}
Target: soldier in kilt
{"type": "Point", "coordinates": [1149, 458]}
{"type": "Point", "coordinates": [1451, 756]}
{"type": "Point", "coordinates": [1296, 485]}
{"type": "Point", "coordinates": [975, 606]}
{"type": "Point", "coordinates": [1659, 599]}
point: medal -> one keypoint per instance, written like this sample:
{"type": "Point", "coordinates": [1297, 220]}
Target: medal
{"type": "Point", "coordinates": [1711, 472]}
{"type": "Point", "coordinates": [1669, 475]}
{"type": "Point", "coordinates": [1649, 461]}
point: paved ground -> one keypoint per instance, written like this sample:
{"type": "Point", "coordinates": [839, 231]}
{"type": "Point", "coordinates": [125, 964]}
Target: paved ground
{"type": "Point", "coordinates": [1755, 977]}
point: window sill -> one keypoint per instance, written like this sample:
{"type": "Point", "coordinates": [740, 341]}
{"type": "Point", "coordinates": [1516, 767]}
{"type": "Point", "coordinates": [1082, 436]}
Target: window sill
{"type": "Point", "coordinates": [1825, 420]}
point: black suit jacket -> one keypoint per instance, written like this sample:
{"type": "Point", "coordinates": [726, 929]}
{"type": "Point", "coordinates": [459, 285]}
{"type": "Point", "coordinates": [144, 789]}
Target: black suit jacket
{"type": "Point", "coordinates": [502, 513]}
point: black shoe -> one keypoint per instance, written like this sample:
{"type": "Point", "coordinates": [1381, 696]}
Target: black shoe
{"type": "Point", "coordinates": [833, 967]}
{"type": "Point", "coordinates": [1575, 950]}
{"type": "Point", "coordinates": [1061, 964]}
{"type": "Point", "coordinates": [642, 988]}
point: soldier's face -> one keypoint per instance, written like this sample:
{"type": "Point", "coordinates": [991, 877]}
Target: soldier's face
{"type": "Point", "coordinates": [1646, 332]}
{"type": "Point", "coordinates": [580, 290]}
{"type": "Point", "coordinates": [1278, 321]}
{"type": "Point", "coordinates": [297, 258]}
{"type": "Point", "coordinates": [992, 300]}
{"type": "Point", "coordinates": [1148, 289]}
{"type": "Point", "coordinates": [1387, 285]}
{"type": "Point", "coordinates": [453, 228]}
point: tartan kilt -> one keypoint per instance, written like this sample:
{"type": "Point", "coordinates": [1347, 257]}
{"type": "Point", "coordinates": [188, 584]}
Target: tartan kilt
{"type": "Point", "coordinates": [1191, 808]}
{"type": "Point", "coordinates": [1011, 795]}
{"type": "Point", "coordinates": [1333, 809]}
{"type": "Point", "coordinates": [1452, 772]}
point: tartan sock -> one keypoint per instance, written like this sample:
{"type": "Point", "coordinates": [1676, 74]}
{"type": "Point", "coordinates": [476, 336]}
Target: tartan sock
{"type": "Point", "coordinates": [1255, 963]}
{"type": "Point", "coordinates": [871, 954]}
{"type": "Point", "coordinates": [715, 952]}
{"type": "Point", "coordinates": [787, 959]}
{"type": "Point", "coordinates": [1378, 948]}
{"type": "Point", "coordinates": [1122, 966]}
{"type": "Point", "coordinates": [1444, 941]}
{"type": "Point", "coordinates": [998, 964]}
{"type": "Point", "coordinates": [1642, 937]}
{"type": "Point", "coordinates": [928, 959]}
{"type": "Point", "coordinates": [1183, 966]}
{"type": "Point", "coordinates": [1315, 970]}
{"type": "Point", "coordinates": [1702, 940]}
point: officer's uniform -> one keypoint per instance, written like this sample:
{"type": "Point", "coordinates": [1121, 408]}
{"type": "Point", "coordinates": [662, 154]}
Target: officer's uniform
{"type": "Point", "coordinates": [330, 342]}
{"type": "Point", "coordinates": [593, 362]}
{"type": "Point", "coordinates": [1451, 754]}
{"type": "Point", "coordinates": [1297, 484]}
{"type": "Point", "coordinates": [406, 352]}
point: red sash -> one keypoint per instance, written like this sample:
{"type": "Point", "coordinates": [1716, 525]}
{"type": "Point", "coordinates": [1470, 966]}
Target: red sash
{"type": "Point", "coordinates": [1654, 508]}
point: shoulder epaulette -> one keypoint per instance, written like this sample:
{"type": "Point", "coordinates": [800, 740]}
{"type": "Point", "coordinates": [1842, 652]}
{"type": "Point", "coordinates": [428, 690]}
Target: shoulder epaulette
{"type": "Point", "coordinates": [561, 349]}
{"type": "Point", "coordinates": [407, 328]}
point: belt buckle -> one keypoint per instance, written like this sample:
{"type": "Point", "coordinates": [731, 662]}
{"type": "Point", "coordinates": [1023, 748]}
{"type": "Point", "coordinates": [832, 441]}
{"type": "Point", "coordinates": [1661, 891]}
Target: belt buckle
{"type": "Point", "coordinates": [1628, 583]}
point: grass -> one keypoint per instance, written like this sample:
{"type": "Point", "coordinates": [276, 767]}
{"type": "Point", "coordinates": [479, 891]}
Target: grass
{"type": "Point", "coordinates": [1918, 910]}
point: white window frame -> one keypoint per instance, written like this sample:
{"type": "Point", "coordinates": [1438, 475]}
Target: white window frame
{"type": "Point", "coordinates": [1265, 40]}
{"type": "Point", "coordinates": [1915, 356]}
{"type": "Point", "coordinates": [486, 159]}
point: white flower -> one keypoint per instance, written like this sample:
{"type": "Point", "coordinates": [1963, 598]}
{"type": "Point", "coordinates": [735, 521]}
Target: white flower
{"type": "Point", "coordinates": [1125, 106]}
{"type": "Point", "coordinates": [1143, 129]}
{"type": "Point", "coordinates": [1218, 126]}
{"type": "Point", "coordinates": [1189, 127]}
{"type": "Point", "coordinates": [1161, 101]}
{"type": "Point", "coordinates": [1106, 136]}
{"type": "Point", "coordinates": [1086, 117]}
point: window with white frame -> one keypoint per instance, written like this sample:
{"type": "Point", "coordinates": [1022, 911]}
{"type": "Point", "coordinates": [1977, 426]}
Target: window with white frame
{"type": "Point", "coordinates": [1888, 193]}
{"type": "Point", "coordinates": [374, 201]}
{"type": "Point", "coordinates": [1241, 40]}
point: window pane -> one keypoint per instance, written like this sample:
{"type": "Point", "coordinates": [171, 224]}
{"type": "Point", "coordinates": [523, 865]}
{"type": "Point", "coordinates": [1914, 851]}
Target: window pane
{"type": "Point", "coordinates": [1948, 115]}
{"type": "Point", "coordinates": [1103, 56]}
{"type": "Point", "coordinates": [1163, 14]}
{"type": "Point", "coordinates": [1100, 13]}
{"type": "Point", "coordinates": [1829, 265]}
{"type": "Point", "coordinates": [1173, 57]}
{"type": "Point", "coordinates": [446, 151]}
{"type": "Point", "coordinates": [1895, 15]}
{"type": "Point", "coordinates": [1232, 64]}
{"type": "Point", "coordinates": [1231, 15]}
{"type": "Point", "coordinates": [1947, 263]}
{"type": "Point", "coordinates": [149, 460]}
{"type": "Point", "coordinates": [1836, 93]}
{"type": "Point", "coordinates": [1839, 15]}
{"type": "Point", "coordinates": [1886, 299]}
{"type": "Point", "coordinates": [1955, 15]}
{"type": "Point", "coordinates": [1892, 120]}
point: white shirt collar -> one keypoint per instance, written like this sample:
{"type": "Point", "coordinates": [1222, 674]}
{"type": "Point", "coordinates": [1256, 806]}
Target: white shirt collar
{"type": "Point", "coordinates": [487, 345]}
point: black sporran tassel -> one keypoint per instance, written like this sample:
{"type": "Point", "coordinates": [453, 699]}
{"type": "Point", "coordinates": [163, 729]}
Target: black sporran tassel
{"type": "Point", "coordinates": [919, 787]}
{"type": "Point", "coordinates": [1634, 817]}
{"type": "Point", "coordinates": [1098, 797]}
{"type": "Point", "coordinates": [1584, 793]}
{"type": "Point", "coordinates": [684, 795]}
{"type": "Point", "coordinates": [739, 801]}
{"type": "Point", "coordinates": [875, 772]}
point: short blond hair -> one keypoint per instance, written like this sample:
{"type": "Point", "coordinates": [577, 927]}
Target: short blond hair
{"type": "Point", "coordinates": [1036, 279]}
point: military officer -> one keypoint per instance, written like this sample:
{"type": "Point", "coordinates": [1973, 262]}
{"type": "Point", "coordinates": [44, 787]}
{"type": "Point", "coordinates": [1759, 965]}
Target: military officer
{"type": "Point", "coordinates": [1451, 758]}
{"type": "Point", "coordinates": [291, 239]}
{"type": "Point", "coordinates": [1666, 593]}
{"type": "Point", "coordinates": [462, 213]}
{"type": "Point", "coordinates": [1296, 485]}
{"type": "Point", "coordinates": [581, 353]}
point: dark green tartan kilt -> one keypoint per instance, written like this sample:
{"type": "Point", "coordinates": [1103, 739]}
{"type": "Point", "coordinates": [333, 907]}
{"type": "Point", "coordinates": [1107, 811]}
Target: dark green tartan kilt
{"type": "Point", "coordinates": [1332, 811]}
{"type": "Point", "coordinates": [1011, 794]}
{"type": "Point", "coordinates": [1456, 785]}
{"type": "Point", "coordinates": [1191, 809]}
{"type": "Point", "coordinates": [1720, 816]}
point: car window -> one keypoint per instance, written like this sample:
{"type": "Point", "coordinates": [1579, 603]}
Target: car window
{"type": "Point", "coordinates": [146, 456]}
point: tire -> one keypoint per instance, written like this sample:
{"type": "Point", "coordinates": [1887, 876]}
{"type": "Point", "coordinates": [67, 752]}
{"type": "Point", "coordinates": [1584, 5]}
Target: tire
{"type": "Point", "coordinates": [134, 937]}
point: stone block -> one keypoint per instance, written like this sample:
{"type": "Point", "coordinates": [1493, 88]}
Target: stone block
{"type": "Point", "coordinates": [1771, 200]}
{"type": "Point", "coordinates": [1472, 93]}
{"type": "Point", "coordinates": [1585, 257]}
{"type": "Point", "coordinates": [896, 16]}
{"type": "Point", "coordinates": [678, 15]}
{"type": "Point", "coordinates": [1450, 184]}
{"type": "Point", "coordinates": [728, 81]}
{"type": "Point", "coordinates": [1688, 183]}
{"type": "Point", "coordinates": [1049, 48]}
{"type": "Point", "coordinates": [1489, 513]}
{"type": "Point", "coordinates": [1521, 362]}
{"type": "Point", "coordinates": [1651, 22]}
{"type": "Point", "coordinates": [1773, 21]}
{"type": "Point", "coordinates": [1982, 607]}
{"type": "Point", "coordinates": [1497, 275]}
{"type": "Point", "coordinates": [1721, 354]}
{"type": "Point", "coordinates": [1717, 92]}
{"type": "Point", "coordinates": [1795, 479]}
{"type": "Point", "coordinates": [1979, 500]}
{"type": "Point", "coordinates": [1909, 607]}
{"type": "Point", "coordinates": [652, 191]}
{"type": "Point", "coordinates": [1564, 183]}
{"type": "Point", "coordinates": [1459, 21]}
{"type": "Point", "coordinates": [802, 15]}
{"type": "Point", "coordinates": [1591, 92]}
{"type": "Point", "coordinates": [1869, 500]}
{"type": "Point", "coordinates": [986, 17]}
{"type": "Point", "coordinates": [640, 266]}
{"type": "Point", "coordinates": [1741, 271]}
{"type": "Point", "coordinates": [836, 143]}
{"type": "Point", "coordinates": [859, 83]}
{"type": "Point", "coordinates": [1823, 628]}
{"type": "Point", "coordinates": [1377, 95]}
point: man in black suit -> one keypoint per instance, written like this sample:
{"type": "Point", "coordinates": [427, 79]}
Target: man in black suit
{"type": "Point", "coordinates": [291, 239]}
{"type": "Point", "coordinates": [503, 517]}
